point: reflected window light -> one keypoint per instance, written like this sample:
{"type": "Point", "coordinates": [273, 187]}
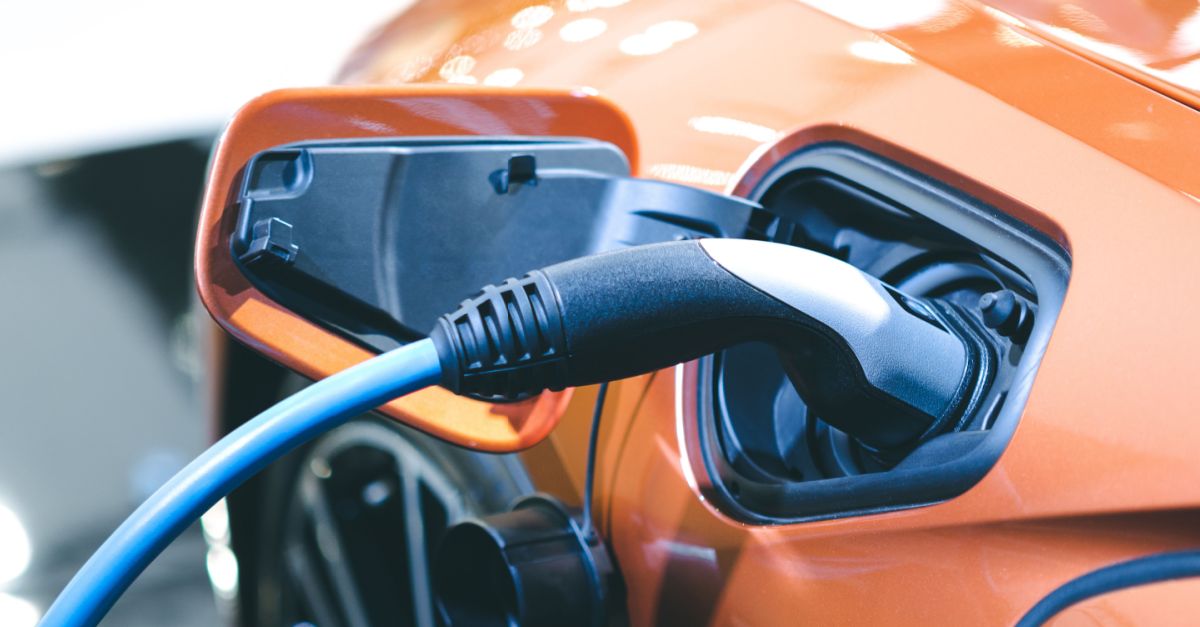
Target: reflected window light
{"type": "Point", "coordinates": [730, 126]}
{"type": "Point", "coordinates": [880, 14]}
{"type": "Point", "coordinates": [1115, 52]}
{"type": "Point", "coordinates": [1014, 39]}
{"type": "Point", "coordinates": [17, 612]}
{"type": "Point", "coordinates": [223, 571]}
{"type": "Point", "coordinates": [658, 38]}
{"type": "Point", "coordinates": [880, 51]}
{"type": "Point", "coordinates": [673, 31]}
{"type": "Point", "coordinates": [532, 17]}
{"type": "Point", "coordinates": [1081, 18]}
{"type": "Point", "coordinates": [1186, 40]}
{"type": "Point", "coordinates": [642, 44]}
{"type": "Point", "coordinates": [580, 6]}
{"type": "Point", "coordinates": [458, 66]}
{"type": "Point", "coordinates": [522, 38]}
{"type": "Point", "coordinates": [690, 174]}
{"type": "Point", "coordinates": [14, 546]}
{"type": "Point", "coordinates": [953, 16]}
{"type": "Point", "coordinates": [1186, 75]}
{"type": "Point", "coordinates": [504, 78]}
{"type": "Point", "coordinates": [215, 522]}
{"type": "Point", "coordinates": [410, 70]}
{"type": "Point", "coordinates": [583, 30]}
{"type": "Point", "coordinates": [1001, 16]}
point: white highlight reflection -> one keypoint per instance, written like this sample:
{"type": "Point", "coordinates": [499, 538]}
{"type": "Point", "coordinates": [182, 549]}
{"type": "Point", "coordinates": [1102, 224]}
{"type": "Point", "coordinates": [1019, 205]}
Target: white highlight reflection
{"type": "Point", "coordinates": [458, 66]}
{"type": "Point", "coordinates": [642, 44]}
{"type": "Point", "coordinates": [17, 612]}
{"type": "Point", "coordinates": [880, 51]}
{"type": "Point", "coordinates": [672, 31]}
{"type": "Point", "coordinates": [580, 6]}
{"type": "Point", "coordinates": [685, 464]}
{"type": "Point", "coordinates": [954, 16]}
{"type": "Point", "coordinates": [1186, 40]}
{"type": "Point", "coordinates": [215, 522]}
{"type": "Point", "coordinates": [583, 30]}
{"type": "Point", "coordinates": [658, 38]}
{"type": "Point", "coordinates": [1081, 18]}
{"type": "Point", "coordinates": [690, 174]}
{"type": "Point", "coordinates": [523, 38]}
{"type": "Point", "coordinates": [223, 571]}
{"type": "Point", "coordinates": [504, 78]}
{"type": "Point", "coordinates": [730, 126]}
{"type": "Point", "coordinates": [1186, 75]}
{"type": "Point", "coordinates": [881, 14]}
{"type": "Point", "coordinates": [1128, 56]}
{"type": "Point", "coordinates": [14, 546]}
{"type": "Point", "coordinates": [532, 17]}
{"type": "Point", "coordinates": [1014, 39]}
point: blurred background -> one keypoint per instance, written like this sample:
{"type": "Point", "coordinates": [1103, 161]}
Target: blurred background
{"type": "Point", "coordinates": [110, 110]}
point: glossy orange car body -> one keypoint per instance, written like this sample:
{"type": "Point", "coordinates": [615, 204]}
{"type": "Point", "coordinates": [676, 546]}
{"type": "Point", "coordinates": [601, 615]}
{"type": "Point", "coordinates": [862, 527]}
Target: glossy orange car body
{"type": "Point", "coordinates": [1043, 122]}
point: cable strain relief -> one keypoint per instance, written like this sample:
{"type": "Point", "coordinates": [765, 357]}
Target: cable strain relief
{"type": "Point", "coordinates": [448, 352]}
{"type": "Point", "coordinates": [507, 341]}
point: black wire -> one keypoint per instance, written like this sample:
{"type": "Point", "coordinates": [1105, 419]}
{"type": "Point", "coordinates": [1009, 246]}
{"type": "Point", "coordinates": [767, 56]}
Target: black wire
{"type": "Point", "coordinates": [591, 461]}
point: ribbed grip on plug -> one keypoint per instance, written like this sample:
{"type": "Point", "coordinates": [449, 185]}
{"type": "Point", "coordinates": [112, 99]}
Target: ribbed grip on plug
{"type": "Point", "coordinates": [506, 341]}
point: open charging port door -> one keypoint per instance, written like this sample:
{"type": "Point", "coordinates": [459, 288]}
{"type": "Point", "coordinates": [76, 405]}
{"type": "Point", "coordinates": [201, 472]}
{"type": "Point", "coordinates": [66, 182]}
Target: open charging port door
{"type": "Point", "coordinates": [338, 222]}
{"type": "Point", "coordinates": [375, 239]}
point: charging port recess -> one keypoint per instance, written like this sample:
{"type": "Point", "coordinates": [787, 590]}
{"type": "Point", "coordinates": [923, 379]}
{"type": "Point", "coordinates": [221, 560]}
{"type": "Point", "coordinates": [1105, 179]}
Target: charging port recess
{"type": "Point", "coordinates": [771, 459]}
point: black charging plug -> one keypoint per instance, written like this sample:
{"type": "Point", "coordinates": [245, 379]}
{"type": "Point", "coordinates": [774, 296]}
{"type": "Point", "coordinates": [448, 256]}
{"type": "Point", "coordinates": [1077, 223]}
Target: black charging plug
{"type": "Point", "coordinates": [882, 366]}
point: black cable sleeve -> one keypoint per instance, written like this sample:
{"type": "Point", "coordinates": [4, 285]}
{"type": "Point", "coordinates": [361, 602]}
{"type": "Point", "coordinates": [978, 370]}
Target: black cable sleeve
{"type": "Point", "coordinates": [590, 481]}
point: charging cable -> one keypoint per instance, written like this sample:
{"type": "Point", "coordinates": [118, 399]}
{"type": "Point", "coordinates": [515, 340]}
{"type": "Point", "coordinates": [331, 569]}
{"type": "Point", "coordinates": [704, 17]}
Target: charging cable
{"type": "Point", "coordinates": [881, 366]}
{"type": "Point", "coordinates": [590, 481]}
{"type": "Point", "coordinates": [231, 461]}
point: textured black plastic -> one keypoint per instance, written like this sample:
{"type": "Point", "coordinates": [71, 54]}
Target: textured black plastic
{"type": "Point", "coordinates": [530, 566]}
{"type": "Point", "coordinates": [1010, 316]}
{"type": "Point", "coordinates": [507, 341]}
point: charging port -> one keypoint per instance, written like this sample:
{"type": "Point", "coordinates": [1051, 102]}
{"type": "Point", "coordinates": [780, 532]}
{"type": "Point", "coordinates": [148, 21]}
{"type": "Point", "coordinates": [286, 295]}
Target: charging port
{"type": "Point", "coordinates": [773, 458]}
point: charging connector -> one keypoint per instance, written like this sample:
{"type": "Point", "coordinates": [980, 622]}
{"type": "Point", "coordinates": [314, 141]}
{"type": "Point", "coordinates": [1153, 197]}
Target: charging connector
{"type": "Point", "coordinates": [880, 365]}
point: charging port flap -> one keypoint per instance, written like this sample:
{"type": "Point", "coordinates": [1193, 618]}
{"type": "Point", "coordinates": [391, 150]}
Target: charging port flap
{"type": "Point", "coordinates": [377, 238]}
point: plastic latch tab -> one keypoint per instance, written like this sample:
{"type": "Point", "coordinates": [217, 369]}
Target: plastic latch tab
{"type": "Point", "coordinates": [271, 246]}
{"type": "Point", "coordinates": [521, 169]}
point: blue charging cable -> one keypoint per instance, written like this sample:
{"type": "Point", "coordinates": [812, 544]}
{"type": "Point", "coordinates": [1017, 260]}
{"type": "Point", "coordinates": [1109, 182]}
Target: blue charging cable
{"type": "Point", "coordinates": [301, 417]}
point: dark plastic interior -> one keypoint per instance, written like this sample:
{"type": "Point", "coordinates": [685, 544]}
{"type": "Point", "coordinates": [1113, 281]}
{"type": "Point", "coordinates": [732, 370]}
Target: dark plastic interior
{"type": "Point", "coordinates": [377, 238]}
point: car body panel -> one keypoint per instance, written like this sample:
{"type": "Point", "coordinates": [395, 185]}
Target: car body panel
{"type": "Point", "coordinates": [1101, 467]}
{"type": "Point", "coordinates": [1155, 44]}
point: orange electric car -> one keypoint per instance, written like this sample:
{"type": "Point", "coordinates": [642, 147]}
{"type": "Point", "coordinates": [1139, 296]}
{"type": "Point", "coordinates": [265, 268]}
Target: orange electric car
{"type": "Point", "coordinates": [1017, 175]}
